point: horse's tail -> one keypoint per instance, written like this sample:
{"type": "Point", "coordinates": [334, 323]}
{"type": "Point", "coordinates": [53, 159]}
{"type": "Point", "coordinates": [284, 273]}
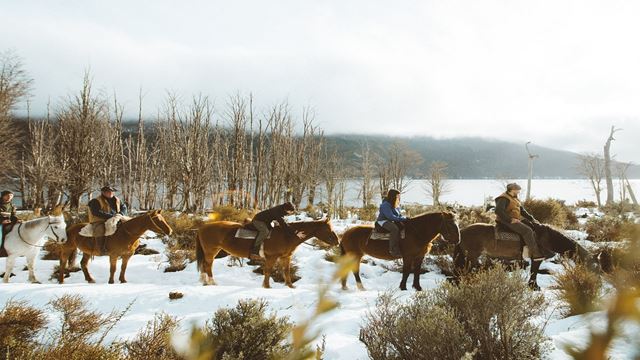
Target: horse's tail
{"type": "Point", "coordinates": [459, 260]}
{"type": "Point", "coordinates": [199, 253]}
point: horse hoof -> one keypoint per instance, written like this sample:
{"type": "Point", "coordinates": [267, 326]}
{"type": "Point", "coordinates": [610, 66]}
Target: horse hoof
{"type": "Point", "coordinates": [361, 288]}
{"type": "Point", "coordinates": [403, 288]}
{"type": "Point", "coordinates": [36, 282]}
{"type": "Point", "coordinates": [291, 286]}
{"type": "Point", "coordinates": [345, 288]}
{"type": "Point", "coordinates": [111, 281]}
{"type": "Point", "coordinates": [91, 281]}
{"type": "Point", "coordinates": [123, 281]}
{"type": "Point", "coordinates": [534, 287]}
{"type": "Point", "coordinates": [418, 288]}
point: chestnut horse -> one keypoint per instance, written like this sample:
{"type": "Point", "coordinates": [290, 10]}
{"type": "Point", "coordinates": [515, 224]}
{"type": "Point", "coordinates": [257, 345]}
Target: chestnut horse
{"type": "Point", "coordinates": [123, 243]}
{"type": "Point", "coordinates": [420, 232]}
{"type": "Point", "coordinates": [220, 235]}
{"type": "Point", "coordinates": [478, 239]}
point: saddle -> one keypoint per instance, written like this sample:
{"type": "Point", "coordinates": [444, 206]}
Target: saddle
{"type": "Point", "coordinates": [505, 234]}
{"type": "Point", "coordinates": [110, 226]}
{"type": "Point", "coordinates": [380, 233]}
{"type": "Point", "coordinates": [248, 232]}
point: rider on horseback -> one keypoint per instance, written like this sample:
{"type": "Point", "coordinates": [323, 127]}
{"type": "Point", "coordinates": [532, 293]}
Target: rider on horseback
{"type": "Point", "coordinates": [262, 223]}
{"type": "Point", "coordinates": [102, 208]}
{"type": "Point", "coordinates": [391, 219]}
{"type": "Point", "coordinates": [7, 213]}
{"type": "Point", "coordinates": [513, 215]}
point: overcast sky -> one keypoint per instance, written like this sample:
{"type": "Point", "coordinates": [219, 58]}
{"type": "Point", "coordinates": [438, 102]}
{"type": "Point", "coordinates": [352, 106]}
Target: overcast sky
{"type": "Point", "coordinates": [557, 73]}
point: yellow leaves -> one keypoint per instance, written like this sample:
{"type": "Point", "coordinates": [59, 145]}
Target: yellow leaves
{"type": "Point", "coordinates": [213, 216]}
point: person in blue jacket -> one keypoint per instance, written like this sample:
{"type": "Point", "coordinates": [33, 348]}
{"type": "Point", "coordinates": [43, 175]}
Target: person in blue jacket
{"type": "Point", "coordinates": [390, 218]}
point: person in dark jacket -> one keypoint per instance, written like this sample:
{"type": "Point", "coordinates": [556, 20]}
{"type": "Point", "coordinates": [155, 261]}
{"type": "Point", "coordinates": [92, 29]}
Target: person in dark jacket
{"type": "Point", "coordinates": [103, 208]}
{"type": "Point", "coordinates": [513, 215]}
{"type": "Point", "coordinates": [262, 223]}
{"type": "Point", "coordinates": [7, 213]}
{"type": "Point", "coordinates": [390, 218]}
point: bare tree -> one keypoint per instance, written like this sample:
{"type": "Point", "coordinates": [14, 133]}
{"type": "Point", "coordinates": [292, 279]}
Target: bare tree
{"type": "Point", "coordinates": [15, 86]}
{"type": "Point", "coordinates": [367, 170]}
{"type": "Point", "coordinates": [607, 165]}
{"type": "Point", "coordinates": [592, 166]}
{"type": "Point", "coordinates": [437, 181]}
{"type": "Point", "coordinates": [393, 172]}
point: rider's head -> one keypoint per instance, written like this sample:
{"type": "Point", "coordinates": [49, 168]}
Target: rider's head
{"type": "Point", "coordinates": [393, 197]}
{"type": "Point", "coordinates": [6, 195]}
{"type": "Point", "coordinates": [288, 207]}
{"type": "Point", "coordinates": [513, 189]}
{"type": "Point", "coordinates": [108, 191]}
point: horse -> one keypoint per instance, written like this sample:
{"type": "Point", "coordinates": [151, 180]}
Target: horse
{"type": "Point", "coordinates": [220, 235]}
{"type": "Point", "coordinates": [479, 238]}
{"type": "Point", "coordinates": [122, 243]}
{"type": "Point", "coordinates": [27, 238]}
{"type": "Point", "coordinates": [420, 233]}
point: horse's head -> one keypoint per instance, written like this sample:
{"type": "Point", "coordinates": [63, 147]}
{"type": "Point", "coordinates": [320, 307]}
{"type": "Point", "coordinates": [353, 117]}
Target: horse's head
{"type": "Point", "coordinates": [556, 241]}
{"type": "Point", "coordinates": [159, 223]}
{"type": "Point", "coordinates": [324, 232]}
{"type": "Point", "coordinates": [449, 229]}
{"type": "Point", "coordinates": [57, 229]}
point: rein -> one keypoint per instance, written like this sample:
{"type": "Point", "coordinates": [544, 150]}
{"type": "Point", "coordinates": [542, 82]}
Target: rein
{"type": "Point", "coordinates": [45, 230]}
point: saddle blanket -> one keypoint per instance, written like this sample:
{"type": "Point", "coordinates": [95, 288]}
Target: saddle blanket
{"type": "Point", "coordinates": [375, 235]}
{"type": "Point", "coordinates": [110, 226]}
{"type": "Point", "coordinates": [243, 233]}
{"type": "Point", "coordinates": [507, 236]}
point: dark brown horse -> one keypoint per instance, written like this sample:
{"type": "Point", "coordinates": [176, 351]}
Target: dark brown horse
{"type": "Point", "coordinates": [478, 239]}
{"type": "Point", "coordinates": [123, 243]}
{"type": "Point", "coordinates": [420, 232]}
{"type": "Point", "coordinates": [220, 235]}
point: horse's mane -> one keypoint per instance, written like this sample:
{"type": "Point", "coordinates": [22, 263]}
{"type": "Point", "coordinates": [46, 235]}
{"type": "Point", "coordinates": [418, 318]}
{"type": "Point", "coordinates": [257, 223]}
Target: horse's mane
{"type": "Point", "coordinates": [425, 214]}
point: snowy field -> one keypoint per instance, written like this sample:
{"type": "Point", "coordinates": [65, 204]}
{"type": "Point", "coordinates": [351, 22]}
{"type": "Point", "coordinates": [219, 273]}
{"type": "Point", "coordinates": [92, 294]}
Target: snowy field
{"type": "Point", "coordinates": [148, 288]}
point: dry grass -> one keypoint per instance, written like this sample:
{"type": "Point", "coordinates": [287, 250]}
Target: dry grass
{"type": "Point", "coordinates": [20, 325]}
{"type": "Point", "coordinates": [609, 228]}
{"type": "Point", "coordinates": [552, 211]}
{"type": "Point", "coordinates": [154, 341]}
{"type": "Point", "coordinates": [578, 288]}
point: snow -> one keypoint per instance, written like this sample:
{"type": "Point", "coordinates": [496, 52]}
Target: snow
{"type": "Point", "coordinates": [148, 290]}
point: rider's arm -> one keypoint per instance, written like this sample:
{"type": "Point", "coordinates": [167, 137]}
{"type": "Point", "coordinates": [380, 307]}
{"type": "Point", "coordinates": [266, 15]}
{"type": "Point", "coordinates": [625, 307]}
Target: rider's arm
{"type": "Point", "coordinates": [526, 214]}
{"type": "Point", "coordinates": [94, 206]}
{"type": "Point", "coordinates": [501, 210]}
{"type": "Point", "coordinates": [285, 226]}
{"type": "Point", "coordinates": [123, 208]}
{"type": "Point", "coordinates": [387, 212]}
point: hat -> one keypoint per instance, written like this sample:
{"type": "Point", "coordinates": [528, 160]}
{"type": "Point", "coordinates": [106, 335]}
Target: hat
{"type": "Point", "coordinates": [513, 186]}
{"type": "Point", "coordinates": [6, 192]}
{"type": "Point", "coordinates": [108, 188]}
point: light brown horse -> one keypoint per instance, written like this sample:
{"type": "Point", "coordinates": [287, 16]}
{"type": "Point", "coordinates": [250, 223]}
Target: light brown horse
{"type": "Point", "coordinates": [220, 235]}
{"type": "Point", "coordinates": [420, 231]}
{"type": "Point", "coordinates": [123, 243]}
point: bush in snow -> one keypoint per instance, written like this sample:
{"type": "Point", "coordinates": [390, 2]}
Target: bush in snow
{"type": "Point", "coordinates": [472, 215]}
{"type": "Point", "coordinates": [487, 316]}
{"type": "Point", "coordinates": [586, 204]}
{"type": "Point", "coordinates": [609, 228]}
{"type": "Point", "coordinates": [247, 332]}
{"type": "Point", "coordinates": [552, 211]}
{"type": "Point", "coordinates": [578, 287]}
{"type": "Point", "coordinates": [154, 340]}
{"type": "Point", "coordinates": [20, 324]}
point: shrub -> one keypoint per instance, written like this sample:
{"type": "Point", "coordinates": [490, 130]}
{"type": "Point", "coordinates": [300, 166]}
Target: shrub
{"type": "Point", "coordinates": [333, 254]}
{"type": "Point", "coordinates": [368, 213]}
{"type": "Point", "coordinates": [416, 330]}
{"type": "Point", "coordinates": [472, 215]}
{"type": "Point", "coordinates": [20, 324]}
{"type": "Point", "coordinates": [578, 287]}
{"type": "Point", "coordinates": [230, 213]}
{"type": "Point", "coordinates": [277, 273]}
{"type": "Point", "coordinates": [177, 259]}
{"type": "Point", "coordinates": [247, 332]}
{"type": "Point", "coordinates": [487, 316]}
{"type": "Point", "coordinates": [551, 211]}
{"type": "Point", "coordinates": [181, 245]}
{"type": "Point", "coordinates": [154, 341]}
{"type": "Point", "coordinates": [586, 204]}
{"type": "Point", "coordinates": [609, 228]}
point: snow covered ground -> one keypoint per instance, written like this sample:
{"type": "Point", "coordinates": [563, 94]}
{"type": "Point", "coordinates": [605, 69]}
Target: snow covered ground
{"type": "Point", "coordinates": [148, 288]}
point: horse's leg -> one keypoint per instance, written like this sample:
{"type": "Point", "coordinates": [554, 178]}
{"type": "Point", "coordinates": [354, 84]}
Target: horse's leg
{"type": "Point", "coordinates": [266, 268]}
{"type": "Point", "coordinates": [11, 260]}
{"type": "Point", "coordinates": [407, 266]}
{"type": "Point", "coordinates": [356, 274]}
{"type": "Point", "coordinates": [84, 264]}
{"type": "Point", "coordinates": [533, 279]}
{"type": "Point", "coordinates": [417, 267]}
{"type": "Point", "coordinates": [62, 266]}
{"type": "Point", "coordinates": [285, 265]}
{"type": "Point", "coordinates": [113, 260]}
{"type": "Point", "coordinates": [208, 268]}
{"type": "Point", "coordinates": [123, 268]}
{"type": "Point", "coordinates": [31, 259]}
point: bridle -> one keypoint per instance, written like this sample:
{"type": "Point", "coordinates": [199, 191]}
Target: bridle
{"type": "Point", "coordinates": [45, 230]}
{"type": "Point", "coordinates": [446, 231]}
{"type": "Point", "coordinates": [156, 225]}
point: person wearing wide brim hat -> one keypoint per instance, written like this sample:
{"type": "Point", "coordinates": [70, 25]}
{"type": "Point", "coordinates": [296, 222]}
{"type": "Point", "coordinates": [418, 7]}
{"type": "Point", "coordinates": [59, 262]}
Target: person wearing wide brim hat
{"type": "Point", "coordinates": [103, 208]}
{"type": "Point", "coordinates": [511, 214]}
